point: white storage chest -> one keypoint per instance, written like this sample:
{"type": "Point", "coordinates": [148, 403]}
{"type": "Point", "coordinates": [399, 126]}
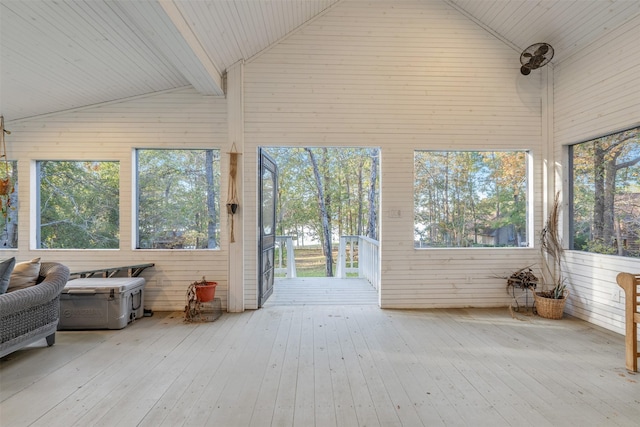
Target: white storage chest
{"type": "Point", "coordinates": [101, 303]}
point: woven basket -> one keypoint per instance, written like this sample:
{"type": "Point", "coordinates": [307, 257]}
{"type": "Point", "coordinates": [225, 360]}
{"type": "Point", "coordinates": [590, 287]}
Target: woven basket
{"type": "Point", "coordinates": [550, 308]}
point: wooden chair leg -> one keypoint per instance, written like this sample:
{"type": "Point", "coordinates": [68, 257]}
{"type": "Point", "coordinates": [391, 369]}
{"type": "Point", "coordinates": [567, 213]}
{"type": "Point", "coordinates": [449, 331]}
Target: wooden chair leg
{"type": "Point", "coordinates": [629, 283]}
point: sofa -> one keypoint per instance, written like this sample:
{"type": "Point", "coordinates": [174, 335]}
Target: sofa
{"type": "Point", "coordinates": [31, 314]}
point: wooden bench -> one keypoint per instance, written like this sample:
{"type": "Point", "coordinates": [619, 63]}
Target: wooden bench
{"type": "Point", "coordinates": [631, 284]}
{"type": "Point", "coordinates": [132, 271]}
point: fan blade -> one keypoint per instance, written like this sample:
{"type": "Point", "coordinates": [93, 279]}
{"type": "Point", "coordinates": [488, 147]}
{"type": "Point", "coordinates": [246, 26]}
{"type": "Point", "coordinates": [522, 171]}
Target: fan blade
{"type": "Point", "coordinates": [536, 61]}
{"type": "Point", "coordinates": [542, 50]}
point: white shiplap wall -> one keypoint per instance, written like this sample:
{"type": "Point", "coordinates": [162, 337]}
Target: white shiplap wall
{"type": "Point", "coordinates": [399, 75]}
{"type": "Point", "coordinates": [597, 92]}
{"type": "Point", "coordinates": [179, 118]}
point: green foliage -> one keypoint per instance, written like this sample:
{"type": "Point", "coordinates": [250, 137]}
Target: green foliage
{"type": "Point", "coordinates": [79, 205]}
{"type": "Point", "coordinates": [310, 261]}
{"type": "Point", "coordinates": [606, 194]}
{"type": "Point", "coordinates": [598, 247]}
{"type": "Point", "coordinates": [470, 198]}
{"type": "Point", "coordinates": [346, 180]}
{"type": "Point", "coordinates": [178, 199]}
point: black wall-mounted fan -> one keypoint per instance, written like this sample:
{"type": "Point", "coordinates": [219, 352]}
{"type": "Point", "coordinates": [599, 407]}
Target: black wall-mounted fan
{"type": "Point", "coordinates": [535, 56]}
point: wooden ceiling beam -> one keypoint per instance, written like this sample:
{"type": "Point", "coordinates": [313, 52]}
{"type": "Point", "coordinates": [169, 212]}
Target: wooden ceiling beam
{"type": "Point", "coordinates": [167, 30]}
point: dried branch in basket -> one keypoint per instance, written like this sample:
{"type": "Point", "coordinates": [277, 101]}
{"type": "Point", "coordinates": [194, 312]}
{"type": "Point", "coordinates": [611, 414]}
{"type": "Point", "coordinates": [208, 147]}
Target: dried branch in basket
{"type": "Point", "coordinates": [551, 245]}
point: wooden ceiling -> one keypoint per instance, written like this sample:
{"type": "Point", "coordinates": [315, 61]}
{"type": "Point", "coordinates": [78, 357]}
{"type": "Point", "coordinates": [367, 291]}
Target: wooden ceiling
{"type": "Point", "coordinates": [57, 55]}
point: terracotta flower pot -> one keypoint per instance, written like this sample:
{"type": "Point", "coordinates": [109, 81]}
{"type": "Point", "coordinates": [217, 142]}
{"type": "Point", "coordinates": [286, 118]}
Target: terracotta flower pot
{"type": "Point", "coordinates": [206, 293]}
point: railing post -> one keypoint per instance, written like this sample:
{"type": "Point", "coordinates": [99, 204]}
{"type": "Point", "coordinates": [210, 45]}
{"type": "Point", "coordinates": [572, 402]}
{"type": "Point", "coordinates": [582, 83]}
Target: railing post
{"type": "Point", "coordinates": [291, 260]}
{"type": "Point", "coordinates": [290, 270]}
{"type": "Point", "coordinates": [342, 259]}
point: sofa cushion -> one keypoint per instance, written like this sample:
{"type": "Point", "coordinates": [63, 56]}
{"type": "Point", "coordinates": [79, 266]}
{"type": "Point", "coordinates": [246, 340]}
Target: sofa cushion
{"type": "Point", "coordinates": [24, 274]}
{"type": "Point", "coordinates": [6, 267]}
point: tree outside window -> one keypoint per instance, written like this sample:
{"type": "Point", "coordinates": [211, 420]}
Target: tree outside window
{"type": "Point", "coordinates": [9, 208]}
{"type": "Point", "coordinates": [605, 194]}
{"type": "Point", "coordinates": [78, 204]}
{"type": "Point", "coordinates": [470, 199]}
{"type": "Point", "coordinates": [178, 199]}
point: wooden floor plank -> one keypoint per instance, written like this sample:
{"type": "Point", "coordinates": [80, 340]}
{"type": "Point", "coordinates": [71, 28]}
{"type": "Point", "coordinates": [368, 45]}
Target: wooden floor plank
{"type": "Point", "coordinates": [177, 400]}
{"type": "Point", "coordinates": [326, 365]}
{"type": "Point", "coordinates": [250, 365]}
{"type": "Point", "coordinates": [141, 377]}
{"type": "Point", "coordinates": [207, 376]}
{"type": "Point", "coordinates": [389, 360]}
{"type": "Point", "coordinates": [220, 399]}
{"type": "Point", "coordinates": [285, 398]}
{"type": "Point", "coordinates": [365, 360]}
{"type": "Point", "coordinates": [304, 412]}
{"type": "Point", "coordinates": [363, 405]}
{"type": "Point", "coordinates": [68, 383]}
{"type": "Point", "coordinates": [269, 379]}
{"type": "Point", "coordinates": [495, 386]}
{"type": "Point", "coordinates": [324, 399]}
{"type": "Point", "coordinates": [18, 376]}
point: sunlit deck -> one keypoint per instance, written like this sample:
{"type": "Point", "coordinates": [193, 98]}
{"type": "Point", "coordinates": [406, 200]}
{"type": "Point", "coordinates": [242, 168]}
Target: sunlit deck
{"type": "Point", "coordinates": [321, 291]}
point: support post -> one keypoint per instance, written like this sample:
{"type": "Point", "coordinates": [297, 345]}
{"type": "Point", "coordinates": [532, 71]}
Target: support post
{"type": "Point", "coordinates": [235, 110]}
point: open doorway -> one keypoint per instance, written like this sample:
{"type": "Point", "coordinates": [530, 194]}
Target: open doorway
{"type": "Point", "coordinates": [327, 203]}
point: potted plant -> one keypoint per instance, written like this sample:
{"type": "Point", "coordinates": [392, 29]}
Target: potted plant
{"type": "Point", "coordinates": [550, 303]}
{"type": "Point", "coordinates": [198, 292]}
{"type": "Point", "coordinates": [205, 291]}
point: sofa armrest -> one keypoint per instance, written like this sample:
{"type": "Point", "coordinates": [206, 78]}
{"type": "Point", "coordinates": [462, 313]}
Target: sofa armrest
{"type": "Point", "coordinates": [54, 277]}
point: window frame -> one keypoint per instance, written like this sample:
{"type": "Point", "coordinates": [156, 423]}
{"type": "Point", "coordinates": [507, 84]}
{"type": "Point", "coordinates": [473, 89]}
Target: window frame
{"type": "Point", "coordinates": [135, 206]}
{"type": "Point", "coordinates": [571, 204]}
{"type": "Point", "coordinates": [36, 217]}
{"type": "Point", "coordinates": [528, 191]}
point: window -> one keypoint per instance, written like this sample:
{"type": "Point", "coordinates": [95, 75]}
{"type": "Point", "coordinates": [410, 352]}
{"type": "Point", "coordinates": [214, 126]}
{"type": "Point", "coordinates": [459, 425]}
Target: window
{"type": "Point", "coordinates": [605, 194]}
{"type": "Point", "coordinates": [178, 199]}
{"type": "Point", "coordinates": [9, 206]}
{"type": "Point", "coordinates": [470, 199]}
{"type": "Point", "coordinates": [78, 205]}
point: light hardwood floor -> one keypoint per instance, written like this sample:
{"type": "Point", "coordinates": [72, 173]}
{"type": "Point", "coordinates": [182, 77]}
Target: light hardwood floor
{"type": "Point", "coordinates": [326, 365]}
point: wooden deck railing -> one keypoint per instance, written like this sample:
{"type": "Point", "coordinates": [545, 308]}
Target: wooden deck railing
{"type": "Point", "coordinates": [369, 260]}
{"type": "Point", "coordinates": [356, 254]}
{"type": "Point", "coordinates": [366, 263]}
{"type": "Point", "coordinates": [285, 265]}
{"type": "Point", "coordinates": [631, 285]}
{"type": "Point", "coordinates": [347, 258]}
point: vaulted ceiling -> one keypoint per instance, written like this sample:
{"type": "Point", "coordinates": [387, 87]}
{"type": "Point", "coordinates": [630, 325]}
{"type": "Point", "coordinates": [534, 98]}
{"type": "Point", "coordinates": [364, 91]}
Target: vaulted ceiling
{"type": "Point", "coordinates": [57, 55]}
